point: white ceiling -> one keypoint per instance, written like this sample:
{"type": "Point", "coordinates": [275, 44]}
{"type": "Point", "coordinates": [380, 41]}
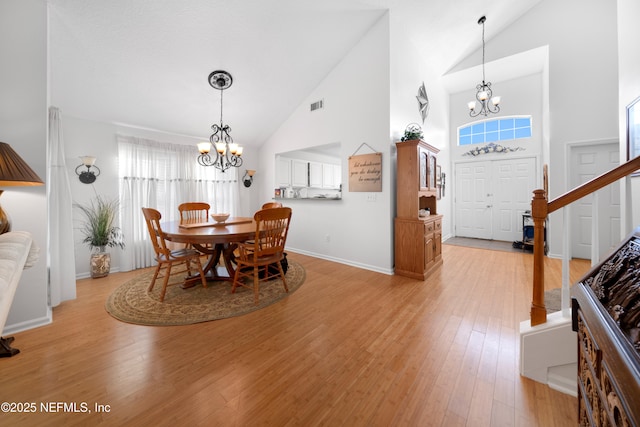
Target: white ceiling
{"type": "Point", "coordinates": [145, 63]}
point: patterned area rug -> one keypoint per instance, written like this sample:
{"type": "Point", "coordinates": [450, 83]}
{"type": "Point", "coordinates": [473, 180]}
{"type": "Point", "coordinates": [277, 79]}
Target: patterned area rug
{"type": "Point", "coordinates": [132, 303]}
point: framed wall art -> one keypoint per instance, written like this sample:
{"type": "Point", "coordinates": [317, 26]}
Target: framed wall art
{"type": "Point", "coordinates": [365, 171]}
{"type": "Point", "coordinates": [439, 182]}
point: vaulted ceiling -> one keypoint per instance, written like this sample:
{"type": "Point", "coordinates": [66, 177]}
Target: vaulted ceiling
{"type": "Point", "coordinates": [145, 63]}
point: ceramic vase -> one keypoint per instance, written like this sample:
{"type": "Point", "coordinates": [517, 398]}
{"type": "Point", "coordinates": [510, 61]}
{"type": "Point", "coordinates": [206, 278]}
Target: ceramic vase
{"type": "Point", "coordinates": [100, 263]}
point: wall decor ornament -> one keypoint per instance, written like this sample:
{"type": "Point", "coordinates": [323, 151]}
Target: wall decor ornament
{"type": "Point", "coordinates": [491, 148]}
{"type": "Point", "coordinates": [423, 102]}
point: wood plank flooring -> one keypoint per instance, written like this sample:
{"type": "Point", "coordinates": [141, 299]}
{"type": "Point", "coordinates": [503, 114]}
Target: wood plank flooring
{"type": "Point", "coordinates": [351, 347]}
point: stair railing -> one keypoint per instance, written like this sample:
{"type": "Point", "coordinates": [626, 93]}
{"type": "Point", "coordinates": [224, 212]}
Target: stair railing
{"type": "Point", "coordinates": [540, 209]}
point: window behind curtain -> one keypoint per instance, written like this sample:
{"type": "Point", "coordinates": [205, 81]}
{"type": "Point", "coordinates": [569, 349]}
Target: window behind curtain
{"type": "Point", "coordinates": [161, 176]}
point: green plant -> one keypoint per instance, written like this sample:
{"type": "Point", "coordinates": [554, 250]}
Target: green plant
{"type": "Point", "coordinates": [98, 228]}
{"type": "Point", "coordinates": [413, 131]}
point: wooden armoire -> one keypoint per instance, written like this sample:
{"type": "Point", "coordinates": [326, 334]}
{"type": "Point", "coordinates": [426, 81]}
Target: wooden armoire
{"type": "Point", "coordinates": [418, 239]}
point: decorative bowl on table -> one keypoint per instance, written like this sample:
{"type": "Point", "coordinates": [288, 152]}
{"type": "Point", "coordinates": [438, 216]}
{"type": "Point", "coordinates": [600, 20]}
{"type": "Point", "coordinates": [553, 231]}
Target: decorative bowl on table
{"type": "Point", "coordinates": [220, 217]}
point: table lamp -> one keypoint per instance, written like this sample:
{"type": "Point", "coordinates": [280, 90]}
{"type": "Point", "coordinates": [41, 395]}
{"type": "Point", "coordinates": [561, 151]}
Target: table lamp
{"type": "Point", "coordinates": [14, 172]}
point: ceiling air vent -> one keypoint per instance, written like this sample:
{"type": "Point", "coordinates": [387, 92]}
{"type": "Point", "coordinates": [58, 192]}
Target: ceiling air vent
{"type": "Point", "coordinates": [317, 105]}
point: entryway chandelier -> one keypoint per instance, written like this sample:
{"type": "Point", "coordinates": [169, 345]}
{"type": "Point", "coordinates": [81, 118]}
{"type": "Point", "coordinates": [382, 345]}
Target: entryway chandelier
{"type": "Point", "coordinates": [227, 152]}
{"type": "Point", "coordinates": [484, 95]}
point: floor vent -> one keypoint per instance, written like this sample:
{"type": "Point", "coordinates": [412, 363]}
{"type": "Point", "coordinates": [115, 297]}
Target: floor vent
{"type": "Point", "coordinates": [317, 105]}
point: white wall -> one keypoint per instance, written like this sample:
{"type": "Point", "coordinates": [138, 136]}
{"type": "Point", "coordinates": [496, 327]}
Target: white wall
{"type": "Point", "coordinates": [23, 125]}
{"type": "Point", "coordinates": [629, 90]}
{"type": "Point", "coordinates": [356, 99]}
{"type": "Point", "coordinates": [521, 96]}
{"type": "Point", "coordinates": [583, 76]}
{"type": "Point", "coordinates": [411, 65]}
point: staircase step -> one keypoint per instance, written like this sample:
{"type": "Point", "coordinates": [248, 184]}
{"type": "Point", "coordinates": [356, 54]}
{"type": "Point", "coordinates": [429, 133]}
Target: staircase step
{"type": "Point", "coordinates": [564, 378]}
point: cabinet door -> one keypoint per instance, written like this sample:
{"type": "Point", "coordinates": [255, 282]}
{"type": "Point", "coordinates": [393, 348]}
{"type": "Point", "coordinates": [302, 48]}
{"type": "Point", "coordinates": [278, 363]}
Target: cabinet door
{"type": "Point", "coordinates": [437, 245]}
{"type": "Point", "coordinates": [337, 176]}
{"type": "Point", "coordinates": [423, 154]}
{"type": "Point", "coordinates": [283, 172]}
{"type": "Point", "coordinates": [327, 176]}
{"type": "Point", "coordinates": [437, 239]}
{"type": "Point", "coordinates": [428, 251]}
{"type": "Point", "coordinates": [315, 174]}
{"type": "Point", "coordinates": [299, 173]}
{"type": "Point", "coordinates": [432, 172]}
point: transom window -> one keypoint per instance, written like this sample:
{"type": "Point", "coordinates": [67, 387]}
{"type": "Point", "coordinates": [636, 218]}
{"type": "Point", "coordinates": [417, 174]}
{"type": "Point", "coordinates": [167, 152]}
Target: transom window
{"type": "Point", "coordinates": [502, 129]}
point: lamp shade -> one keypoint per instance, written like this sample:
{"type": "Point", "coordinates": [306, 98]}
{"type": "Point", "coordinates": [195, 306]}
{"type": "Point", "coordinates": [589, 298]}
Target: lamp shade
{"type": "Point", "coordinates": [13, 170]}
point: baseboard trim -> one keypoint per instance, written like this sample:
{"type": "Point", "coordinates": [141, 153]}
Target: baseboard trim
{"type": "Point", "coordinates": [342, 261]}
{"type": "Point", "coordinates": [564, 379]}
{"type": "Point", "coordinates": [29, 324]}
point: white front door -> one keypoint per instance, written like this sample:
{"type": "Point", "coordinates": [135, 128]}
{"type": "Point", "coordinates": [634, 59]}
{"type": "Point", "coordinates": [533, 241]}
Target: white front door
{"type": "Point", "coordinates": [587, 162]}
{"type": "Point", "coordinates": [491, 197]}
{"type": "Point", "coordinates": [473, 204]}
{"type": "Point", "coordinates": [513, 183]}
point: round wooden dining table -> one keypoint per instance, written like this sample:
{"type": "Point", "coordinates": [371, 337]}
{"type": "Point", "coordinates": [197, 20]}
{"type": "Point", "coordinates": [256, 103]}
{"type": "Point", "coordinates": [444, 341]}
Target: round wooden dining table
{"type": "Point", "coordinates": [214, 239]}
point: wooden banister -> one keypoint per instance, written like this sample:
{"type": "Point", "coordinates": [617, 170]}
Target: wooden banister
{"type": "Point", "coordinates": [595, 184]}
{"type": "Point", "coordinates": [540, 209]}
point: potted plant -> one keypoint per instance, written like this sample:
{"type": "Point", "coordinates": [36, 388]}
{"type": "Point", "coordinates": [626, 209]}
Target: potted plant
{"type": "Point", "coordinates": [99, 231]}
{"type": "Point", "coordinates": [411, 132]}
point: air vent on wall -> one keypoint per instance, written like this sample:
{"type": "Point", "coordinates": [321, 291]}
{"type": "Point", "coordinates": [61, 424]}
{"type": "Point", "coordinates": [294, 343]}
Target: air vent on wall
{"type": "Point", "coordinates": [317, 105]}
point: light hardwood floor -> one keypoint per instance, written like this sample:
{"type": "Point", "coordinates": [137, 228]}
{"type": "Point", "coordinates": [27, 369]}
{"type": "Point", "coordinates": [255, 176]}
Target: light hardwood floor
{"type": "Point", "coordinates": [351, 347]}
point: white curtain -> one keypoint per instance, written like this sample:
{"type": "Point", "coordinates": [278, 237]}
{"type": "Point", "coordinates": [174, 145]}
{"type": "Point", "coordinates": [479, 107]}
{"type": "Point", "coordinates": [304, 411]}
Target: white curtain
{"type": "Point", "coordinates": [62, 267]}
{"type": "Point", "coordinates": [160, 175]}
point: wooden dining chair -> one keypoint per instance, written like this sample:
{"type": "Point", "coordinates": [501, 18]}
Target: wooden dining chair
{"type": "Point", "coordinates": [266, 248]}
{"type": "Point", "coordinates": [270, 205]}
{"type": "Point", "coordinates": [194, 212]}
{"type": "Point", "coordinates": [165, 257]}
{"type": "Point", "coordinates": [267, 205]}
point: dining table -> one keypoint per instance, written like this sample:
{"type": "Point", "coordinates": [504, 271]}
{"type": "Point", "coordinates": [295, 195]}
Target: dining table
{"type": "Point", "coordinates": [218, 240]}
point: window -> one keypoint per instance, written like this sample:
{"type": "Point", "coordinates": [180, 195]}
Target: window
{"type": "Point", "coordinates": [161, 176]}
{"type": "Point", "coordinates": [502, 129]}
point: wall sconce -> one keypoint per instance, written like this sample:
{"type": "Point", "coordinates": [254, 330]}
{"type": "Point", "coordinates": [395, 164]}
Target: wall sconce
{"type": "Point", "coordinates": [247, 179]}
{"type": "Point", "coordinates": [92, 172]}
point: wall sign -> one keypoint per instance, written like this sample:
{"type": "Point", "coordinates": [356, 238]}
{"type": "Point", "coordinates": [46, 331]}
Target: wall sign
{"type": "Point", "coordinates": [365, 172]}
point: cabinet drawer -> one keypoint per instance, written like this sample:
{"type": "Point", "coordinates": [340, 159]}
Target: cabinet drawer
{"type": "Point", "coordinates": [438, 225]}
{"type": "Point", "coordinates": [428, 228]}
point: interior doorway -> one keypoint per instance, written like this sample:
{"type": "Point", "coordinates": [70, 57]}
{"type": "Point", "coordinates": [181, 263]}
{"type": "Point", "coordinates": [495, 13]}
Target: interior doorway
{"type": "Point", "coordinates": [491, 196]}
{"type": "Point", "coordinates": [586, 162]}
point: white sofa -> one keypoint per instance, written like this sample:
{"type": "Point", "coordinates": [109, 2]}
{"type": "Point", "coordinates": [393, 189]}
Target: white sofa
{"type": "Point", "coordinates": [17, 252]}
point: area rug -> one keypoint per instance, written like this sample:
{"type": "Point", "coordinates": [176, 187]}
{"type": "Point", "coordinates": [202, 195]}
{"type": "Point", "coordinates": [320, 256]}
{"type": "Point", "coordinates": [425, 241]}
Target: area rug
{"type": "Point", "coordinates": [492, 245]}
{"type": "Point", "coordinates": [132, 303]}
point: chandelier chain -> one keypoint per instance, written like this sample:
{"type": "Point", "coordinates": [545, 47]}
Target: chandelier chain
{"type": "Point", "coordinates": [483, 77]}
{"type": "Point", "coordinates": [222, 94]}
{"type": "Point", "coordinates": [484, 95]}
